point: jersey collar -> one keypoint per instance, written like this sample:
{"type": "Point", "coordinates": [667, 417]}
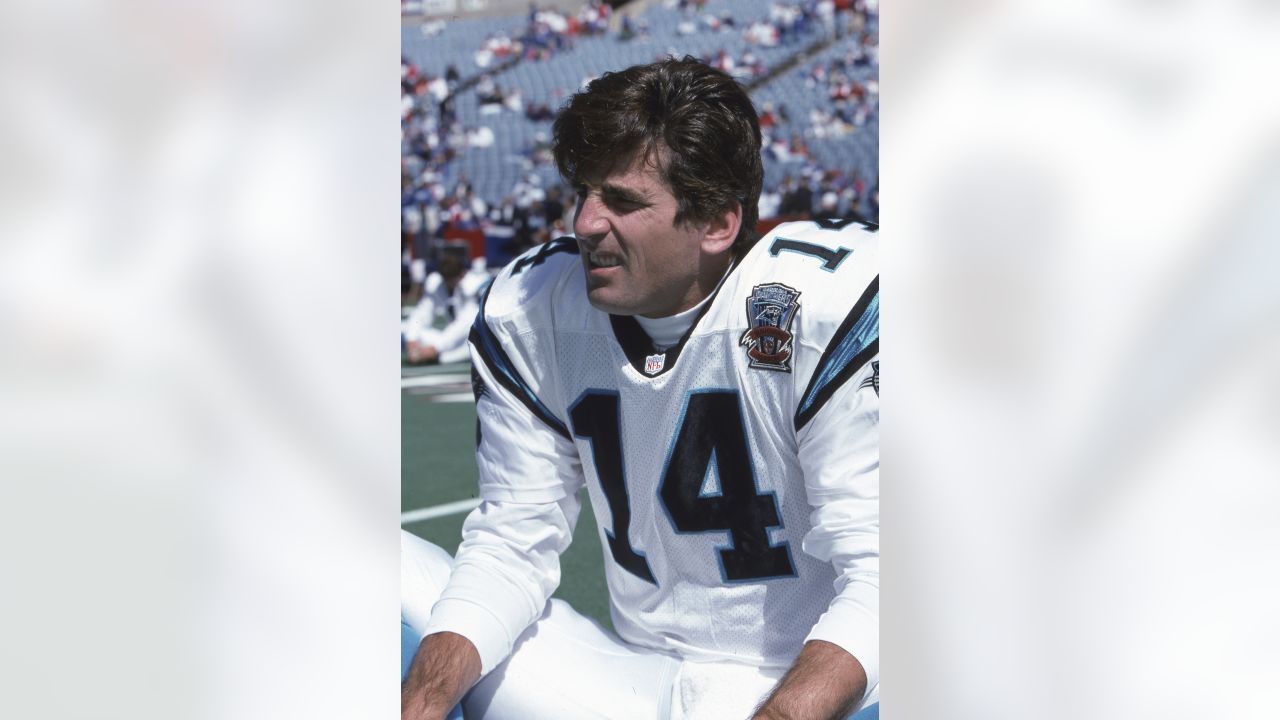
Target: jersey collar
{"type": "Point", "coordinates": [638, 347]}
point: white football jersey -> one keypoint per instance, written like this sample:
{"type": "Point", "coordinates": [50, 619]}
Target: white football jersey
{"type": "Point", "coordinates": [734, 476]}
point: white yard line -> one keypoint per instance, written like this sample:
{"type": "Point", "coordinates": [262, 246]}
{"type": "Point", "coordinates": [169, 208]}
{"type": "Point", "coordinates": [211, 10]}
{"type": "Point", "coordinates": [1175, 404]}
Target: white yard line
{"type": "Point", "coordinates": [436, 511]}
{"type": "Point", "coordinates": [448, 397]}
{"type": "Point", "coordinates": [433, 380]}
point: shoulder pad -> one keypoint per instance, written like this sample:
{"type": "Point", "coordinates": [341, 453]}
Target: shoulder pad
{"type": "Point", "coordinates": [829, 263]}
{"type": "Point", "coordinates": [531, 280]}
{"type": "Point", "coordinates": [522, 301]}
{"type": "Point", "coordinates": [830, 269]}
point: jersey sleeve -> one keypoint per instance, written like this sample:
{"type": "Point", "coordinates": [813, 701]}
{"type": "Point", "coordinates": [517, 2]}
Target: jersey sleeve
{"type": "Point", "coordinates": [834, 265]}
{"type": "Point", "coordinates": [840, 455]}
{"type": "Point", "coordinates": [509, 561]}
{"type": "Point", "coordinates": [838, 419]}
{"type": "Point", "coordinates": [506, 567]}
{"type": "Point", "coordinates": [524, 449]}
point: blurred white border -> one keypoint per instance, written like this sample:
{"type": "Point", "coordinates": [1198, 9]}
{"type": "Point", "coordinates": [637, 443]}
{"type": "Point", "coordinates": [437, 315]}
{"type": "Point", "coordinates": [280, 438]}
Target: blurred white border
{"type": "Point", "coordinates": [198, 366]}
{"type": "Point", "coordinates": [1080, 212]}
{"type": "Point", "coordinates": [200, 412]}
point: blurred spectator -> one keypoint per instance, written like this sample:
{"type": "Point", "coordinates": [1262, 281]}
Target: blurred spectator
{"type": "Point", "coordinates": [593, 17]}
{"type": "Point", "coordinates": [529, 191]}
{"type": "Point", "coordinates": [552, 208]}
{"type": "Point", "coordinates": [770, 201]}
{"type": "Point", "coordinates": [538, 112]}
{"type": "Point", "coordinates": [762, 33]}
{"type": "Point", "coordinates": [432, 28]}
{"type": "Point", "coordinates": [628, 29]}
{"type": "Point", "coordinates": [797, 198]}
{"type": "Point", "coordinates": [767, 117]}
{"type": "Point", "coordinates": [829, 204]}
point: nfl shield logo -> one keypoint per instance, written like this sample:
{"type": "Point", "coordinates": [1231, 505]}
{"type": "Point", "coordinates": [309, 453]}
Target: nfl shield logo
{"type": "Point", "coordinates": [653, 363]}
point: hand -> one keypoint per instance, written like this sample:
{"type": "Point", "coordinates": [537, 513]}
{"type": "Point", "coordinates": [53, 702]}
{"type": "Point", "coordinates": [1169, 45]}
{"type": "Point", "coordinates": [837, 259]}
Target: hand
{"type": "Point", "coordinates": [824, 682]}
{"type": "Point", "coordinates": [443, 670]}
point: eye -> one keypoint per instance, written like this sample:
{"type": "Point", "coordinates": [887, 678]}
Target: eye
{"type": "Point", "coordinates": [621, 203]}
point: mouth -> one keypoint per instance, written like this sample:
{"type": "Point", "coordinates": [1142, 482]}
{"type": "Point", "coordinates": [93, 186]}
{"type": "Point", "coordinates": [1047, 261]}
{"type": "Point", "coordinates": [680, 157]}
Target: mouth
{"type": "Point", "coordinates": [602, 260]}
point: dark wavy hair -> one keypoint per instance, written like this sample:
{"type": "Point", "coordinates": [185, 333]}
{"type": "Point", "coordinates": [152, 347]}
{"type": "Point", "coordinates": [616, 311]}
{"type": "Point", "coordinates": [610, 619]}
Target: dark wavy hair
{"type": "Point", "coordinates": [701, 116]}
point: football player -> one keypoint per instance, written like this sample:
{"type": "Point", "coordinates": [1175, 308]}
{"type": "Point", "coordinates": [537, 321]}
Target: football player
{"type": "Point", "coordinates": [450, 298]}
{"type": "Point", "coordinates": [718, 397]}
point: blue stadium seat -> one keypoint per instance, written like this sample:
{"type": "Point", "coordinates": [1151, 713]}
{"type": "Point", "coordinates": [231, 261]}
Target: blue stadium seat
{"type": "Point", "coordinates": [496, 169]}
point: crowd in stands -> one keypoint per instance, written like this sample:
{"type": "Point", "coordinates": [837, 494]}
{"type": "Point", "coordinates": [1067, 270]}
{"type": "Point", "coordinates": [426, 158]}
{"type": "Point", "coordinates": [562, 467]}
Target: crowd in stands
{"type": "Point", "coordinates": [817, 192]}
{"type": "Point", "coordinates": [545, 33]}
{"type": "Point", "coordinates": [438, 201]}
{"type": "Point", "coordinates": [748, 67]}
{"type": "Point", "coordinates": [853, 102]}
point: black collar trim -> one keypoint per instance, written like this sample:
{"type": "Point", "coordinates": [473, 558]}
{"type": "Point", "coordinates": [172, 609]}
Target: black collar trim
{"type": "Point", "coordinates": [637, 345]}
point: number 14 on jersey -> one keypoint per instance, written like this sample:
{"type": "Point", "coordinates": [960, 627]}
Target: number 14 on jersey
{"type": "Point", "coordinates": [711, 438]}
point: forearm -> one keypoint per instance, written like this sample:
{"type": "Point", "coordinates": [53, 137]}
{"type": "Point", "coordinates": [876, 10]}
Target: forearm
{"type": "Point", "coordinates": [443, 670]}
{"type": "Point", "coordinates": [505, 569]}
{"type": "Point", "coordinates": [824, 682]}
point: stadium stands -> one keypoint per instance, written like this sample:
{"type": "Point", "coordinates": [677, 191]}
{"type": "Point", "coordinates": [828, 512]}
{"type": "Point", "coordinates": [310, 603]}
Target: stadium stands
{"type": "Point", "coordinates": [478, 134]}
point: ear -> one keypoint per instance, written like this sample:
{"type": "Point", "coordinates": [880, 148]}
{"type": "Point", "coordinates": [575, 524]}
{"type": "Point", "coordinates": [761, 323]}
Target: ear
{"type": "Point", "coordinates": [722, 230]}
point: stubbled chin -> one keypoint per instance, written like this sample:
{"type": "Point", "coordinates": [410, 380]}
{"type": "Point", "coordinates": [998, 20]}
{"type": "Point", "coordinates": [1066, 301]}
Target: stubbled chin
{"type": "Point", "coordinates": [597, 296]}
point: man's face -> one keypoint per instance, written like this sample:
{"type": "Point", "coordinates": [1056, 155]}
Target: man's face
{"type": "Point", "coordinates": [637, 260]}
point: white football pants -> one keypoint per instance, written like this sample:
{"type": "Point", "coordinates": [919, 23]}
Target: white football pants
{"type": "Point", "coordinates": [567, 667]}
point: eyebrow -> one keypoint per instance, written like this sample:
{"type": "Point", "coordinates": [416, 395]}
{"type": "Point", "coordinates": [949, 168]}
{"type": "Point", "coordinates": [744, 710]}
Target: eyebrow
{"type": "Point", "coordinates": [624, 193]}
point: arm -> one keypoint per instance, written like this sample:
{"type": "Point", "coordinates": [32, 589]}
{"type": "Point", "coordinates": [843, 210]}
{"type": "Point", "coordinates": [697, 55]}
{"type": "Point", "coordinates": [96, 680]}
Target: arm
{"type": "Point", "coordinates": [508, 563]}
{"type": "Point", "coordinates": [824, 682]}
{"type": "Point", "coordinates": [445, 667]}
{"type": "Point", "coordinates": [506, 568]}
{"type": "Point", "coordinates": [838, 667]}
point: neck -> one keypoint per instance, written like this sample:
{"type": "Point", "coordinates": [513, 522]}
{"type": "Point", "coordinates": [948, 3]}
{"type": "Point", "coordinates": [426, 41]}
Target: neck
{"type": "Point", "coordinates": [710, 272]}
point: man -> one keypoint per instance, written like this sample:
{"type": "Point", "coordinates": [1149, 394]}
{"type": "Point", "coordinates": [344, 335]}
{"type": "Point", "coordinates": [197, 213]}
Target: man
{"type": "Point", "coordinates": [718, 397]}
{"type": "Point", "coordinates": [450, 298]}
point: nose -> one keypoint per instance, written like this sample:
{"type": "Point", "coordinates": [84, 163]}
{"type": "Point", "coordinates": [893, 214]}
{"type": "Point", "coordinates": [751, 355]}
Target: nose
{"type": "Point", "coordinates": [591, 220]}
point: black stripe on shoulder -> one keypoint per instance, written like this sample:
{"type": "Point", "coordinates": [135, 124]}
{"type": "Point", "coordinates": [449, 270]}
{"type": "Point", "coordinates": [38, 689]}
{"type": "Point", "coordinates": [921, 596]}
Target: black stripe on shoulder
{"type": "Point", "coordinates": [841, 223]}
{"type": "Point", "coordinates": [854, 343]}
{"type": "Point", "coordinates": [502, 369]}
{"type": "Point", "coordinates": [546, 250]}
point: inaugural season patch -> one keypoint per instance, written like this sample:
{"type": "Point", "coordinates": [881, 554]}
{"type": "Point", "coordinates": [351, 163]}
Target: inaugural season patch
{"type": "Point", "coordinates": [770, 310]}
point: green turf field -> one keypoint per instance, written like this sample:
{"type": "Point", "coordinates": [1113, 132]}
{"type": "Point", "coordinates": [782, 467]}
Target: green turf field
{"type": "Point", "coordinates": [438, 467]}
